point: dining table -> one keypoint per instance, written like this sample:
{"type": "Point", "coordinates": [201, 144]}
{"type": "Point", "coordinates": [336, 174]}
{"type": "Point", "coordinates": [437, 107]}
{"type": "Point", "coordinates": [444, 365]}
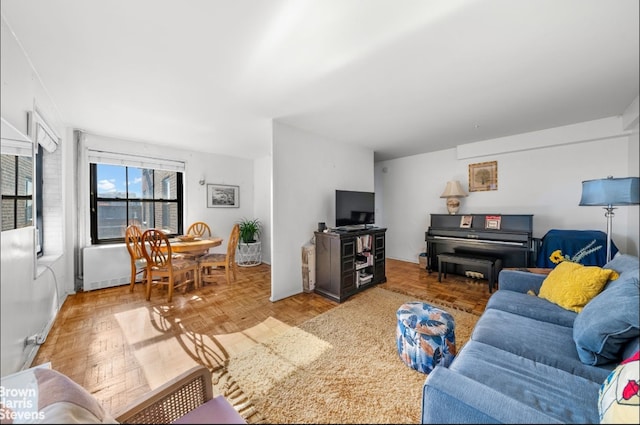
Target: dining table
{"type": "Point", "coordinates": [197, 246]}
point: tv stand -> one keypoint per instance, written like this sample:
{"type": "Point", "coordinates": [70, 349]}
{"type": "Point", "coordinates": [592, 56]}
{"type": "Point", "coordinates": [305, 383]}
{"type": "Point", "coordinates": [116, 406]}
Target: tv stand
{"type": "Point", "coordinates": [349, 261]}
{"type": "Point", "coordinates": [354, 227]}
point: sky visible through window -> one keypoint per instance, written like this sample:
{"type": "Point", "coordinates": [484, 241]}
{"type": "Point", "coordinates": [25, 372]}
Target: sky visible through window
{"type": "Point", "coordinates": [112, 181]}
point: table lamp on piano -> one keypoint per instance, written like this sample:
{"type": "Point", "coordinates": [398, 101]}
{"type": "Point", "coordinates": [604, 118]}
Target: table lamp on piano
{"type": "Point", "coordinates": [453, 192]}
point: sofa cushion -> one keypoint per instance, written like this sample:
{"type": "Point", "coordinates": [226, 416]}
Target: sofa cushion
{"type": "Point", "coordinates": [535, 340]}
{"type": "Point", "coordinates": [520, 281]}
{"type": "Point", "coordinates": [572, 285]}
{"type": "Point", "coordinates": [626, 265]}
{"type": "Point", "coordinates": [531, 306]}
{"type": "Point", "coordinates": [609, 322]}
{"type": "Point", "coordinates": [531, 383]}
{"type": "Point", "coordinates": [618, 397]}
{"type": "Point", "coordinates": [631, 347]}
{"type": "Point", "coordinates": [623, 263]}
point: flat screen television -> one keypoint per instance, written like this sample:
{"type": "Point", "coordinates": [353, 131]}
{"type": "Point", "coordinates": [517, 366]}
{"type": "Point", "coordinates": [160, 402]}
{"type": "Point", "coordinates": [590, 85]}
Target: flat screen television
{"type": "Point", "coordinates": [354, 208]}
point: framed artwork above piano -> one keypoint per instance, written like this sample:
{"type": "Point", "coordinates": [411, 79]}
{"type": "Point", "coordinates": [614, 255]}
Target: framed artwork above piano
{"type": "Point", "coordinates": [511, 241]}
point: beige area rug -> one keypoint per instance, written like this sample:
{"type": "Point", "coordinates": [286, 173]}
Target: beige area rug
{"type": "Point", "coordinates": [339, 367]}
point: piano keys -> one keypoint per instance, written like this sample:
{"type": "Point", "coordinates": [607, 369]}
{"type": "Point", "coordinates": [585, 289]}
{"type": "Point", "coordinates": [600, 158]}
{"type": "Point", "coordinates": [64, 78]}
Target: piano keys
{"type": "Point", "coordinates": [512, 242]}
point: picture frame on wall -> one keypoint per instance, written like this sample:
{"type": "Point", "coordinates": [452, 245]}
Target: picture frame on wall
{"type": "Point", "coordinates": [483, 176]}
{"type": "Point", "coordinates": [223, 196]}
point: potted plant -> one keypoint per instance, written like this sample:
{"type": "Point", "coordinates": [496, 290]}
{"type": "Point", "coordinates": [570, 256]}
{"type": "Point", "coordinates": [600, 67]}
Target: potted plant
{"type": "Point", "coordinates": [249, 230]}
{"type": "Point", "coordinates": [249, 248]}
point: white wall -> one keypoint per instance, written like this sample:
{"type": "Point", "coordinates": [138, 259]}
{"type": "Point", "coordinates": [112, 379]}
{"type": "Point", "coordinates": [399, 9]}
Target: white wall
{"type": "Point", "coordinates": [633, 219]}
{"type": "Point", "coordinates": [540, 179]}
{"type": "Point", "coordinates": [262, 203]}
{"type": "Point", "coordinates": [307, 169]}
{"type": "Point", "coordinates": [32, 290]}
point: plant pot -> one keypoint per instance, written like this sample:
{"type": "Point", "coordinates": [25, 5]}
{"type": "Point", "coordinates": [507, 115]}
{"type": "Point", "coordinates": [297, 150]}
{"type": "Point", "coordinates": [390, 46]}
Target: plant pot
{"type": "Point", "coordinates": [249, 254]}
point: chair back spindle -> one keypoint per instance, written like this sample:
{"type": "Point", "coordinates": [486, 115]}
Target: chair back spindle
{"type": "Point", "coordinates": [199, 229]}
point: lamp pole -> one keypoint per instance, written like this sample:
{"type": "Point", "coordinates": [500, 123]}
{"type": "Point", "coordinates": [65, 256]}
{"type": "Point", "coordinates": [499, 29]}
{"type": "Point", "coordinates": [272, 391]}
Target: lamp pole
{"type": "Point", "coordinates": [609, 214]}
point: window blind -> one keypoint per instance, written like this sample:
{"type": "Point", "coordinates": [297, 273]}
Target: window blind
{"type": "Point", "coordinates": [113, 158]}
{"type": "Point", "coordinates": [45, 135]}
{"type": "Point", "coordinates": [14, 142]}
{"type": "Point", "coordinates": [44, 138]}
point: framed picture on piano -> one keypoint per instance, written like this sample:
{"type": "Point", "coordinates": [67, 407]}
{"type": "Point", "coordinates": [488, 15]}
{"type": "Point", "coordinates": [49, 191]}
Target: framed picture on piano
{"type": "Point", "coordinates": [465, 221]}
{"type": "Point", "coordinates": [492, 222]}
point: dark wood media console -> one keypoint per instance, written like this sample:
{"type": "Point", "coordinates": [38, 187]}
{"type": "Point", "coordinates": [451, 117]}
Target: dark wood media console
{"type": "Point", "coordinates": [349, 261]}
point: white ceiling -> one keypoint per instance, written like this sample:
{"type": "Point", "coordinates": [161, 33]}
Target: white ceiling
{"type": "Point", "coordinates": [398, 76]}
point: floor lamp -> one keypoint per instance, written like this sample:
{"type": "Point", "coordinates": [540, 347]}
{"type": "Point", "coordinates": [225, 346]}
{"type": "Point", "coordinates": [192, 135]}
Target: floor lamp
{"type": "Point", "coordinates": [607, 193]}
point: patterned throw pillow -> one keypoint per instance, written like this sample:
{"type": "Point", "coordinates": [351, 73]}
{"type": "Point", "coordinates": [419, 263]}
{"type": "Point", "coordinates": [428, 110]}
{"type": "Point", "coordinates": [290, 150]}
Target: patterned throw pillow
{"type": "Point", "coordinates": [572, 285]}
{"type": "Point", "coordinates": [619, 397]}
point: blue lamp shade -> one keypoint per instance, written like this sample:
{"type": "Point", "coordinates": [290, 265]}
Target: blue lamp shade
{"type": "Point", "coordinates": [610, 191]}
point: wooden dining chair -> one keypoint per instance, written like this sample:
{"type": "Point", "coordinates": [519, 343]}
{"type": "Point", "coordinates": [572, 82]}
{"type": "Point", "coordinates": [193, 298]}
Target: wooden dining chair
{"type": "Point", "coordinates": [133, 240]}
{"type": "Point", "coordinates": [199, 229]}
{"type": "Point", "coordinates": [209, 262]}
{"type": "Point", "coordinates": [162, 268]}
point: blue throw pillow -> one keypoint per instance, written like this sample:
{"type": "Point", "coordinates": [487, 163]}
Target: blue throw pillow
{"type": "Point", "coordinates": [609, 321]}
{"type": "Point", "coordinates": [623, 263]}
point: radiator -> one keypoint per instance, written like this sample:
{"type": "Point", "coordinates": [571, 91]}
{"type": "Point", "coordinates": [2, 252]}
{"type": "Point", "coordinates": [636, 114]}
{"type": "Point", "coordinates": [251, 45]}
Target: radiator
{"type": "Point", "coordinates": [105, 266]}
{"type": "Point", "coordinates": [308, 267]}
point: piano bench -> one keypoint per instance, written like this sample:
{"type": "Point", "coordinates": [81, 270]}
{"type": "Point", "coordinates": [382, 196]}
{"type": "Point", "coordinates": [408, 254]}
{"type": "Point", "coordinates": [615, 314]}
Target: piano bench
{"type": "Point", "coordinates": [492, 265]}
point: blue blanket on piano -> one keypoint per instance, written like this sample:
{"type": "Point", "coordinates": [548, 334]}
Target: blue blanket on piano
{"type": "Point", "coordinates": [587, 247]}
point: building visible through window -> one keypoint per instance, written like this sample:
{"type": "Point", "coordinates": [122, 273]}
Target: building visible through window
{"type": "Point", "coordinates": [17, 191]}
{"type": "Point", "coordinates": [123, 195]}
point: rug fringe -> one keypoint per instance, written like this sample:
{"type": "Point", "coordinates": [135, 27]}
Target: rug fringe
{"type": "Point", "coordinates": [225, 385]}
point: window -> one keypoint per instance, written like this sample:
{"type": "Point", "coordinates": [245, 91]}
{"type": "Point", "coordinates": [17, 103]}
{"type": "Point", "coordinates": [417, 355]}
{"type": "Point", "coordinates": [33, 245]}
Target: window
{"type": "Point", "coordinates": [123, 195]}
{"type": "Point", "coordinates": [17, 191]}
{"type": "Point", "coordinates": [47, 171]}
{"type": "Point", "coordinates": [39, 201]}
{"type": "Point", "coordinates": [30, 164]}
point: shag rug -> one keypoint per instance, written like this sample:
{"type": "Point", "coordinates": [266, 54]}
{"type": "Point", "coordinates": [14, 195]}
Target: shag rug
{"type": "Point", "coordinates": [339, 367]}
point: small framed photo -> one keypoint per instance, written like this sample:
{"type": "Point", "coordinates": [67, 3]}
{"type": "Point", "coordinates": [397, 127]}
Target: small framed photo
{"type": "Point", "coordinates": [223, 196]}
{"type": "Point", "coordinates": [483, 176]}
{"type": "Point", "coordinates": [465, 221]}
{"type": "Point", "coordinates": [492, 222]}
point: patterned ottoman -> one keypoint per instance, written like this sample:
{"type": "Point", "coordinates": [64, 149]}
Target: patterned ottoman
{"type": "Point", "coordinates": [425, 336]}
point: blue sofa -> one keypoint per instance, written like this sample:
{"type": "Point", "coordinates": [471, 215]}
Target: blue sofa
{"type": "Point", "coordinates": [532, 361]}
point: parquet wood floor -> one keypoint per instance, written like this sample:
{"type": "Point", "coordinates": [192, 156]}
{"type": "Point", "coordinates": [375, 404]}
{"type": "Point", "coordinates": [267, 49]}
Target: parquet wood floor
{"type": "Point", "coordinates": [118, 346]}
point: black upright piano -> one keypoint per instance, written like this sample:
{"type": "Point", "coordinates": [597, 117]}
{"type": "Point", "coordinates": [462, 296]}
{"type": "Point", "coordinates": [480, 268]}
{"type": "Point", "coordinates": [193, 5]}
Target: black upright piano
{"type": "Point", "coordinates": [504, 236]}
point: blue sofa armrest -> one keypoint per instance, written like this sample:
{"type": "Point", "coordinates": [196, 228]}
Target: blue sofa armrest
{"type": "Point", "coordinates": [520, 281]}
{"type": "Point", "coordinates": [451, 398]}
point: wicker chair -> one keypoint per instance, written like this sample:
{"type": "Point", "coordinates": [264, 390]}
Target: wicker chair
{"type": "Point", "coordinates": [170, 401]}
{"type": "Point", "coordinates": [187, 398]}
{"type": "Point", "coordinates": [181, 397]}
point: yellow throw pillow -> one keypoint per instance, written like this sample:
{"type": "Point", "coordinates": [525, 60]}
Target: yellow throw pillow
{"type": "Point", "coordinates": [572, 285]}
